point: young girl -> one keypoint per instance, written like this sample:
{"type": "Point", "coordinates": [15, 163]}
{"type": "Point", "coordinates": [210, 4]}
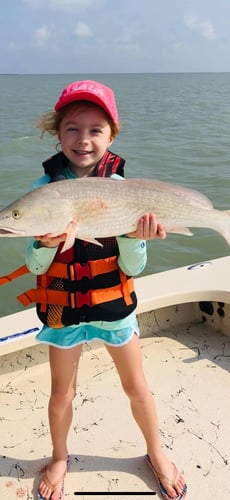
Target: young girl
{"type": "Point", "coordinates": [85, 120]}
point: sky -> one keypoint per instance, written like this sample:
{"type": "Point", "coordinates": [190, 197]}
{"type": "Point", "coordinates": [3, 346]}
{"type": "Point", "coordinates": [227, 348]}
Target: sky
{"type": "Point", "coordinates": [114, 36]}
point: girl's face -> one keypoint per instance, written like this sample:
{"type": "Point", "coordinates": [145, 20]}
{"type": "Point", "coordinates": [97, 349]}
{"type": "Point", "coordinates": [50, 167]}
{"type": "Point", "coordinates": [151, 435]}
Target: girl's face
{"type": "Point", "coordinates": [84, 134]}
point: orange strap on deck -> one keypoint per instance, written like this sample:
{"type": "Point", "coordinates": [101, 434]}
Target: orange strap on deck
{"type": "Point", "coordinates": [15, 274]}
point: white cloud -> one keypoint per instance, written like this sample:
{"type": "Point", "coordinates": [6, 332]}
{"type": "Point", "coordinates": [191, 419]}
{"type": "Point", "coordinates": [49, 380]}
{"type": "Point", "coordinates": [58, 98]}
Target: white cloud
{"type": "Point", "coordinates": [175, 45]}
{"type": "Point", "coordinates": [33, 3]}
{"type": "Point", "coordinates": [63, 5]}
{"type": "Point", "coordinates": [82, 30]}
{"type": "Point", "coordinates": [127, 43]}
{"type": "Point", "coordinates": [42, 35]}
{"type": "Point", "coordinates": [205, 28]}
{"type": "Point", "coordinates": [12, 46]}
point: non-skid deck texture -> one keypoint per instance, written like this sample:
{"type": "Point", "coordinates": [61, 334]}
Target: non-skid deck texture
{"type": "Point", "coordinates": [188, 372]}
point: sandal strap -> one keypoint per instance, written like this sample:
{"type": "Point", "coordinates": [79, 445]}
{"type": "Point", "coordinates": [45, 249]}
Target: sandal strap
{"type": "Point", "coordinates": [162, 477]}
{"type": "Point", "coordinates": [166, 480]}
{"type": "Point", "coordinates": [52, 486]}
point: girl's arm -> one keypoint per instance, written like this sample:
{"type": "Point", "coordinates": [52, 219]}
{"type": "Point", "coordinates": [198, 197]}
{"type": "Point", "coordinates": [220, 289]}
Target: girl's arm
{"type": "Point", "coordinates": [39, 259]}
{"type": "Point", "coordinates": [133, 253]}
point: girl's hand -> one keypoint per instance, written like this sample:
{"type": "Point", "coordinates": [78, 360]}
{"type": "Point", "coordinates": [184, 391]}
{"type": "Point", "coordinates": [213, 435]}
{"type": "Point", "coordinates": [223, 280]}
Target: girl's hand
{"type": "Point", "coordinates": [148, 228]}
{"type": "Point", "coordinates": [49, 241]}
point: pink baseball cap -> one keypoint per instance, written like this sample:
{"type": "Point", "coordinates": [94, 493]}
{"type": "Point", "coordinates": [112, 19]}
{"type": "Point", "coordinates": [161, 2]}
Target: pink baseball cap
{"type": "Point", "coordinates": [89, 90]}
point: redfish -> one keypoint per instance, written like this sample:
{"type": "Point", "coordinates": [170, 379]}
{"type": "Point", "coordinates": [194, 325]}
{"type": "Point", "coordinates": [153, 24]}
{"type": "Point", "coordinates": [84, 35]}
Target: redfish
{"type": "Point", "coordinates": [91, 208]}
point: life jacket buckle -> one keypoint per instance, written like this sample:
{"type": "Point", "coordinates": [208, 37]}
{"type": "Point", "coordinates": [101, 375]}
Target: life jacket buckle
{"type": "Point", "coordinates": [82, 270]}
{"type": "Point", "coordinates": [79, 299]}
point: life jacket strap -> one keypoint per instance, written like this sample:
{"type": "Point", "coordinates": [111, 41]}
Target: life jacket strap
{"type": "Point", "coordinates": [109, 164]}
{"type": "Point", "coordinates": [77, 299]}
{"type": "Point", "coordinates": [125, 288]}
{"type": "Point", "coordinates": [15, 274]}
{"type": "Point", "coordinates": [77, 271]}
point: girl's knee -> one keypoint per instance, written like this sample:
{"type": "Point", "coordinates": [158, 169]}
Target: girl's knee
{"type": "Point", "coordinates": [136, 389]}
{"type": "Point", "coordinates": [62, 398]}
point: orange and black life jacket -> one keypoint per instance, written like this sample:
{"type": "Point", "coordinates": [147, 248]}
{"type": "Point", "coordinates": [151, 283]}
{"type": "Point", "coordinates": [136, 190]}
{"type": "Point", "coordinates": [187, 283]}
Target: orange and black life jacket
{"type": "Point", "coordinates": [109, 164]}
{"type": "Point", "coordinates": [84, 283]}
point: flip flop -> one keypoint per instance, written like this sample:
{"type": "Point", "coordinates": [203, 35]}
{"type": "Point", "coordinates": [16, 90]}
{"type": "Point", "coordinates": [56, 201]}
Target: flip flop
{"type": "Point", "coordinates": [52, 486]}
{"type": "Point", "coordinates": [161, 477]}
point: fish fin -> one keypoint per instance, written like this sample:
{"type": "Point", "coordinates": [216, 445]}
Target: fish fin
{"type": "Point", "coordinates": [180, 230]}
{"type": "Point", "coordinates": [70, 236]}
{"type": "Point", "coordinates": [89, 239]}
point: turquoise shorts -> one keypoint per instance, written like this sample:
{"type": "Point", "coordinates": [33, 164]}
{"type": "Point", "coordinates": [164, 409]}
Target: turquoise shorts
{"type": "Point", "coordinates": [114, 334]}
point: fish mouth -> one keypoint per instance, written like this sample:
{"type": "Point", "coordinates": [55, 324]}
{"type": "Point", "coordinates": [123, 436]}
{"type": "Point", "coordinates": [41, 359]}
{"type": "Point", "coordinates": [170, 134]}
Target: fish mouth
{"type": "Point", "coordinates": [6, 231]}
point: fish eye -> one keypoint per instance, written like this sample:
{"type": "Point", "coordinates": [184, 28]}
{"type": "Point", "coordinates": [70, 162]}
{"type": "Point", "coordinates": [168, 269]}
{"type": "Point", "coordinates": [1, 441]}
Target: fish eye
{"type": "Point", "coordinates": [16, 214]}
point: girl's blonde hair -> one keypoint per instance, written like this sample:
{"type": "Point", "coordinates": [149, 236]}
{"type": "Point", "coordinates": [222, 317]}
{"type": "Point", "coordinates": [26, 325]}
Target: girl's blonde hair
{"type": "Point", "coordinates": [50, 122]}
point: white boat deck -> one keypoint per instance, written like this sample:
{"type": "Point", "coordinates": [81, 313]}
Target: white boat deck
{"type": "Point", "coordinates": [186, 355]}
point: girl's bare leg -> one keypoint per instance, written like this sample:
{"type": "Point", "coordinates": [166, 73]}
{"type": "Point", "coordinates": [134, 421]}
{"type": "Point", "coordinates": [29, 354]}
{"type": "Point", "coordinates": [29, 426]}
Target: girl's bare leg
{"type": "Point", "coordinates": [128, 361]}
{"type": "Point", "coordinates": [63, 366]}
